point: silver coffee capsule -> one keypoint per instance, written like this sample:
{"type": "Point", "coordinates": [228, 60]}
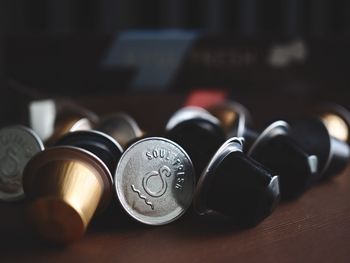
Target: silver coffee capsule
{"type": "Point", "coordinates": [155, 181]}
{"type": "Point", "coordinates": [18, 145]}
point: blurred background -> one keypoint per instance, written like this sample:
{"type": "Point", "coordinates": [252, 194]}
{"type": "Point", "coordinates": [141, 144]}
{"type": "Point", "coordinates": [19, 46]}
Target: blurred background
{"type": "Point", "coordinates": [239, 17]}
{"type": "Point", "coordinates": [87, 48]}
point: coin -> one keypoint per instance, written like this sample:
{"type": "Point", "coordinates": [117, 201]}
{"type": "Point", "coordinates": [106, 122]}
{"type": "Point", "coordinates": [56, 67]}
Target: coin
{"type": "Point", "coordinates": [155, 181]}
{"type": "Point", "coordinates": [18, 145]}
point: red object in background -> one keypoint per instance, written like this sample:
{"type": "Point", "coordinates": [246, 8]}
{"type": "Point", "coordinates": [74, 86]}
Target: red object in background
{"type": "Point", "coordinates": [206, 97]}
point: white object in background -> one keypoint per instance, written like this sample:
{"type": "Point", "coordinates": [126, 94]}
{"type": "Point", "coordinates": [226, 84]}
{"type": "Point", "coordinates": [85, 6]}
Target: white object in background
{"type": "Point", "coordinates": [42, 116]}
{"type": "Point", "coordinates": [284, 55]}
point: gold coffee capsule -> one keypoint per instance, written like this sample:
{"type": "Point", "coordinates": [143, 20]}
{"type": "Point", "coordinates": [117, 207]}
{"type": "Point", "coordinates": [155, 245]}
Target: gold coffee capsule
{"type": "Point", "coordinates": [234, 117]}
{"type": "Point", "coordinates": [66, 186]}
{"type": "Point", "coordinates": [53, 118]}
{"type": "Point", "coordinates": [336, 126]}
{"type": "Point", "coordinates": [68, 124]}
{"type": "Point", "coordinates": [336, 119]}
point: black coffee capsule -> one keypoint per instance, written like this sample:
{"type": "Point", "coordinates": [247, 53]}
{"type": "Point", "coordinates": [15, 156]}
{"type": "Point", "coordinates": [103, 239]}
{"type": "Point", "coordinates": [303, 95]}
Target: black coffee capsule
{"type": "Point", "coordinates": [236, 186]}
{"type": "Point", "coordinates": [275, 149]}
{"type": "Point", "coordinates": [333, 154]}
{"type": "Point", "coordinates": [98, 143]}
{"type": "Point", "coordinates": [198, 132]}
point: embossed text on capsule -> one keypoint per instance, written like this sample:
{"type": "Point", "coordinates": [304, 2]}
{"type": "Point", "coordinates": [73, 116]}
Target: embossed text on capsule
{"type": "Point", "coordinates": [158, 153]}
{"type": "Point", "coordinates": [180, 174]}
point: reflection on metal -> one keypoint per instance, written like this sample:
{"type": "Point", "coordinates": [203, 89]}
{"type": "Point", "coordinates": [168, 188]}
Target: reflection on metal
{"type": "Point", "coordinates": [66, 185]}
{"type": "Point", "coordinates": [336, 126]}
{"type": "Point", "coordinates": [67, 125]}
{"type": "Point", "coordinates": [234, 117]}
{"type": "Point", "coordinates": [120, 126]}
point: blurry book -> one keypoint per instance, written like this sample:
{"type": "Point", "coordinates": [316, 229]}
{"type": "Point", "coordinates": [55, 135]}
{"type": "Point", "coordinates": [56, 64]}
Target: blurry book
{"type": "Point", "coordinates": [163, 61]}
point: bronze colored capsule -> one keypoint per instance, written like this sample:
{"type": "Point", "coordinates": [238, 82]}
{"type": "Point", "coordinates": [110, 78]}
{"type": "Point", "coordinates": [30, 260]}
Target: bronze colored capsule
{"type": "Point", "coordinates": [337, 121]}
{"type": "Point", "coordinates": [68, 116]}
{"type": "Point", "coordinates": [68, 124]}
{"type": "Point", "coordinates": [120, 126]}
{"type": "Point", "coordinates": [336, 126]}
{"type": "Point", "coordinates": [233, 116]}
{"type": "Point", "coordinates": [66, 186]}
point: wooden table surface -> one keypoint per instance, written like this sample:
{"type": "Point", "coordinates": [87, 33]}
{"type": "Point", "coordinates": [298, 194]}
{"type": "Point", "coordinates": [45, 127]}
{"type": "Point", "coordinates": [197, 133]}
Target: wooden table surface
{"type": "Point", "coordinates": [313, 228]}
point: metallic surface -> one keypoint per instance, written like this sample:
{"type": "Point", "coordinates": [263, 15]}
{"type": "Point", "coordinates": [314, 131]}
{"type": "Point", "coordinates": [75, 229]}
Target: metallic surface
{"type": "Point", "coordinates": [204, 182]}
{"type": "Point", "coordinates": [18, 145]}
{"type": "Point", "coordinates": [274, 129]}
{"type": "Point", "coordinates": [122, 127]}
{"type": "Point", "coordinates": [336, 126]}
{"type": "Point", "coordinates": [297, 168]}
{"type": "Point", "coordinates": [49, 115]}
{"type": "Point", "coordinates": [188, 113]}
{"type": "Point", "coordinates": [198, 132]}
{"type": "Point", "coordinates": [234, 117]}
{"type": "Point", "coordinates": [333, 154]}
{"type": "Point", "coordinates": [155, 181]}
{"type": "Point", "coordinates": [102, 145]}
{"type": "Point", "coordinates": [66, 185]}
{"type": "Point", "coordinates": [69, 124]}
{"type": "Point", "coordinates": [67, 107]}
{"type": "Point", "coordinates": [235, 186]}
{"type": "Point", "coordinates": [313, 135]}
{"type": "Point", "coordinates": [337, 120]}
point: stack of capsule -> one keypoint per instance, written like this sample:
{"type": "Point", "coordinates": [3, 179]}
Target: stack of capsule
{"type": "Point", "coordinates": [209, 157]}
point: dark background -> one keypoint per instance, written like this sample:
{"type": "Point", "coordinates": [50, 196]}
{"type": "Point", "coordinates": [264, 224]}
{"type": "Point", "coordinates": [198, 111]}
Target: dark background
{"type": "Point", "coordinates": [239, 17]}
{"type": "Point", "coordinates": [54, 48]}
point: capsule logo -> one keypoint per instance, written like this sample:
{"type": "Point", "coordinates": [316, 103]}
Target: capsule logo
{"type": "Point", "coordinates": [9, 163]}
{"type": "Point", "coordinates": [154, 182]}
